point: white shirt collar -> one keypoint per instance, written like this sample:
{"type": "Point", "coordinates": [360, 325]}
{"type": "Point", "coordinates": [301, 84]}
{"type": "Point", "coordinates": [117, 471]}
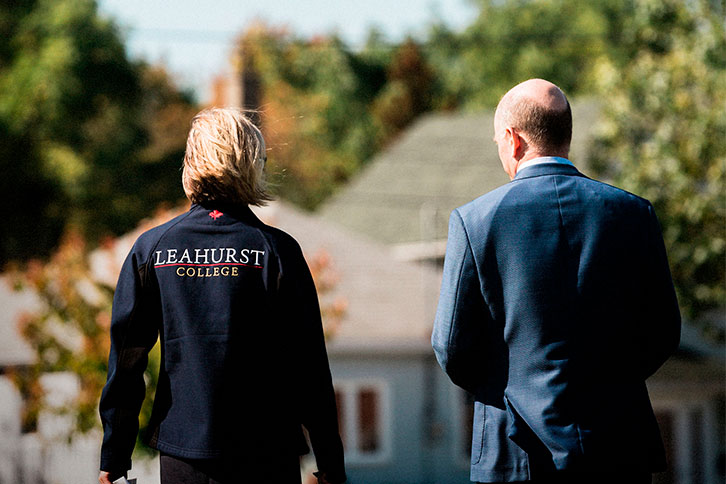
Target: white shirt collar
{"type": "Point", "coordinates": [544, 159]}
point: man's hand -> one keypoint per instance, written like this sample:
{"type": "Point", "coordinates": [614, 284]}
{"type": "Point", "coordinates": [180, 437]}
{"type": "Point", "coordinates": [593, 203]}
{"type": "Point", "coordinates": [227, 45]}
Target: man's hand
{"type": "Point", "coordinates": [104, 478]}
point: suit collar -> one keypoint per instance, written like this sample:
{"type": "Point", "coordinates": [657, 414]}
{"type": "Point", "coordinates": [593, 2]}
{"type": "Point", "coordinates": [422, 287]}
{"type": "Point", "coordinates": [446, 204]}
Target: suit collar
{"type": "Point", "coordinates": [544, 159]}
{"type": "Point", "coordinates": [544, 169]}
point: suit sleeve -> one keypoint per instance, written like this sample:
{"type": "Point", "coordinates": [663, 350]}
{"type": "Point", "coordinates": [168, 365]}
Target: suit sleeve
{"type": "Point", "coordinates": [318, 411]}
{"type": "Point", "coordinates": [134, 330]}
{"type": "Point", "coordinates": [660, 313]}
{"type": "Point", "coordinates": [458, 336]}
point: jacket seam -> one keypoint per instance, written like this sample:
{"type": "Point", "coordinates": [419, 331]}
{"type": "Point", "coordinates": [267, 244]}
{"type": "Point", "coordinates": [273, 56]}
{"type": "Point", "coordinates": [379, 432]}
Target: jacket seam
{"type": "Point", "coordinates": [161, 236]}
{"type": "Point", "coordinates": [580, 442]}
{"type": "Point", "coordinates": [144, 283]}
{"type": "Point", "coordinates": [458, 282]}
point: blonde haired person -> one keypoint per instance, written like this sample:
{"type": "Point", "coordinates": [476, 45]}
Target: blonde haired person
{"type": "Point", "coordinates": [244, 365]}
{"type": "Point", "coordinates": [225, 159]}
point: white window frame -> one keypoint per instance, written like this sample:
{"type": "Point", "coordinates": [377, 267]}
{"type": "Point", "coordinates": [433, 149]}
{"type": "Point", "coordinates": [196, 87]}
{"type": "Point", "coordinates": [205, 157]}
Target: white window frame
{"type": "Point", "coordinates": [349, 389]}
{"type": "Point", "coordinates": [684, 432]}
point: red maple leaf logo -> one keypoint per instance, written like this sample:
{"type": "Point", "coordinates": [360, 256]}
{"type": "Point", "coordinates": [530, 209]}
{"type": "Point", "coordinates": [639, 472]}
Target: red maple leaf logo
{"type": "Point", "coordinates": [215, 214]}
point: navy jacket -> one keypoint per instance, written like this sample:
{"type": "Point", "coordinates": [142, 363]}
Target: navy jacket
{"type": "Point", "coordinates": [243, 359]}
{"type": "Point", "coordinates": [556, 305]}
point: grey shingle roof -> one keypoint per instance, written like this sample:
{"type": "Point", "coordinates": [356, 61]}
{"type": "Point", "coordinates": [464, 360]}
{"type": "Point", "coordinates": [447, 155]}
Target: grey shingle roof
{"type": "Point", "coordinates": [406, 193]}
{"type": "Point", "coordinates": [388, 300]}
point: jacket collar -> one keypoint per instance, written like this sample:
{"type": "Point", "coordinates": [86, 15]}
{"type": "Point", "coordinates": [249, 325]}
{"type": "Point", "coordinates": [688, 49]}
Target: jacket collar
{"type": "Point", "coordinates": [544, 169]}
{"type": "Point", "coordinates": [239, 211]}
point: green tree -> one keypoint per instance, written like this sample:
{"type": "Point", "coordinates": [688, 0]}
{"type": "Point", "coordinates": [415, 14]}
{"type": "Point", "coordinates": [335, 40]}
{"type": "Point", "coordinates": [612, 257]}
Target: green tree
{"type": "Point", "coordinates": [407, 94]}
{"type": "Point", "coordinates": [70, 333]}
{"type": "Point", "coordinates": [326, 109]}
{"type": "Point", "coordinates": [663, 137]}
{"type": "Point", "coordinates": [77, 119]}
{"type": "Point", "coordinates": [315, 116]}
{"type": "Point", "coordinates": [513, 40]}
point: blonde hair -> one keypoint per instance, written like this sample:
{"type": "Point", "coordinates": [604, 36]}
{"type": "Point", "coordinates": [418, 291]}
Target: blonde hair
{"type": "Point", "coordinates": [225, 159]}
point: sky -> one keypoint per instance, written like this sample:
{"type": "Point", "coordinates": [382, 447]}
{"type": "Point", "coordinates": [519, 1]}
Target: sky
{"type": "Point", "coordinates": [194, 38]}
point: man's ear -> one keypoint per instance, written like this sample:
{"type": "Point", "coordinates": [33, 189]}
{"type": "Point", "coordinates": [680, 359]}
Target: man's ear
{"type": "Point", "coordinates": [514, 143]}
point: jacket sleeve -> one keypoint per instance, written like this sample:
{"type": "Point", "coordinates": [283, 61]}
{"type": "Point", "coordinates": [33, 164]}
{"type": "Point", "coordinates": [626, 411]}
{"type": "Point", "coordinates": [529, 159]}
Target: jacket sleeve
{"type": "Point", "coordinates": [659, 306]}
{"type": "Point", "coordinates": [318, 411]}
{"type": "Point", "coordinates": [458, 336]}
{"type": "Point", "coordinates": [135, 322]}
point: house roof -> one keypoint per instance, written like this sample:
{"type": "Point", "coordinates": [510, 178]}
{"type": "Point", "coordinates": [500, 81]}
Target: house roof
{"type": "Point", "coordinates": [389, 303]}
{"type": "Point", "coordinates": [405, 195]}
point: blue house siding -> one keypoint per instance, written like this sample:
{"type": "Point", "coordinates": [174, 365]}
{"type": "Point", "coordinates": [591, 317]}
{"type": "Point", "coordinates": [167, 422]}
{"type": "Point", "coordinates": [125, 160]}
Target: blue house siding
{"type": "Point", "coordinates": [453, 441]}
{"type": "Point", "coordinates": [427, 419]}
{"type": "Point", "coordinates": [421, 438]}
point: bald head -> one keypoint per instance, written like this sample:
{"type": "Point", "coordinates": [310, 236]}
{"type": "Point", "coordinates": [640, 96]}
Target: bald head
{"type": "Point", "coordinates": [540, 111]}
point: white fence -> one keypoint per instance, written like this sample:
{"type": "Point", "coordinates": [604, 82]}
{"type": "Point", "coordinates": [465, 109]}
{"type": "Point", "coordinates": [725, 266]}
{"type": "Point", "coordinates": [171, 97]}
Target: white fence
{"type": "Point", "coordinates": [46, 456]}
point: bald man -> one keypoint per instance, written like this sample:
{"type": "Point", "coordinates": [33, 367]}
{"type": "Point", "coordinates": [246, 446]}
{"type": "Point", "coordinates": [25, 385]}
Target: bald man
{"type": "Point", "coordinates": [556, 305]}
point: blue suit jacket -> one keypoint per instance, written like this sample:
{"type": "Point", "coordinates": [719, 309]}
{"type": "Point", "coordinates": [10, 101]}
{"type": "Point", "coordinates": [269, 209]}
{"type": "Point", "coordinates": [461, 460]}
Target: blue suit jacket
{"type": "Point", "coordinates": [556, 305]}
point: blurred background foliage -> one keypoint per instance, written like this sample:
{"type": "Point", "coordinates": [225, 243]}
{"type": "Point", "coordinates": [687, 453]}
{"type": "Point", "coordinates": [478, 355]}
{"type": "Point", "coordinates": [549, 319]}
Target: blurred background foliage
{"type": "Point", "coordinates": [326, 109]}
{"type": "Point", "coordinates": [91, 141]}
{"type": "Point", "coordinates": [88, 138]}
{"type": "Point", "coordinates": [663, 137]}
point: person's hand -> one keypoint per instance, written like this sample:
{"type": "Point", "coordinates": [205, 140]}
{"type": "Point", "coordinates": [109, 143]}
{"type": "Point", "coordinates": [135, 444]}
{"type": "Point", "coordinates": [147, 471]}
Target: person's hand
{"type": "Point", "coordinates": [104, 478]}
{"type": "Point", "coordinates": [323, 479]}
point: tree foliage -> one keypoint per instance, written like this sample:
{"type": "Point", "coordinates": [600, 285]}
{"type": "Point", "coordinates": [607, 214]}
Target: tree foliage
{"type": "Point", "coordinates": [69, 332]}
{"type": "Point", "coordinates": [514, 40]}
{"type": "Point", "coordinates": [86, 135]}
{"type": "Point", "coordinates": [313, 119]}
{"type": "Point", "coordinates": [408, 92]}
{"type": "Point", "coordinates": [325, 109]}
{"type": "Point", "coordinates": [663, 138]}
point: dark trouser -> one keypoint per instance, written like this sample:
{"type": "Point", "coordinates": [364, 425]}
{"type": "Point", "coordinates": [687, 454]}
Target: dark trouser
{"type": "Point", "coordinates": [175, 470]}
{"type": "Point", "coordinates": [590, 478]}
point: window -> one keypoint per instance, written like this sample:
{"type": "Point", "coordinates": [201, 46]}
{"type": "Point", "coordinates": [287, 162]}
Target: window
{"type": "Point", "coordinates": [363, 417]}
{"type": "Point", "coordinates": [692, 447]}
{"type": "Point", "coordinates": [665, 422]}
